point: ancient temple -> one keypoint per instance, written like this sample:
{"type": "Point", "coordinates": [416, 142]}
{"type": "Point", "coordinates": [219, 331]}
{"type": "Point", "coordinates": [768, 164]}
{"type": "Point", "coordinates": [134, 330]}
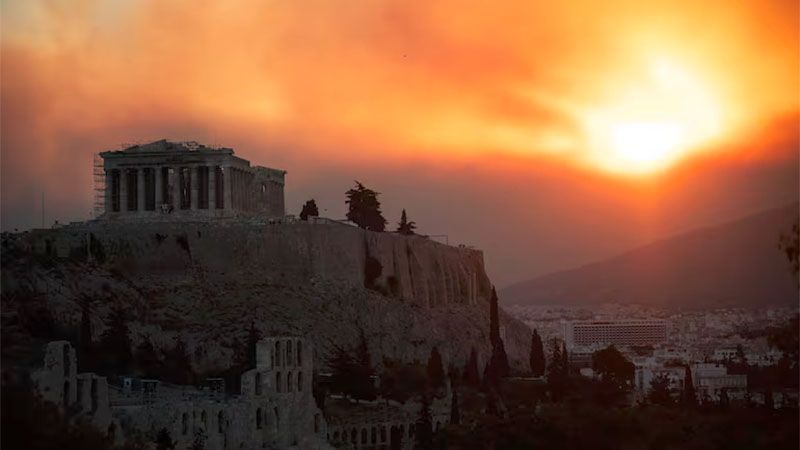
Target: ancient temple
{"type": "Point", "coordinates": [187, 180]}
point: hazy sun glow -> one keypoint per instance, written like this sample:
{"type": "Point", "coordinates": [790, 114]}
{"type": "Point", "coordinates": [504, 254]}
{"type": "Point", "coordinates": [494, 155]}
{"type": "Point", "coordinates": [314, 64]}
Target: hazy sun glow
{"type": "Point", "coordinates": [653, 123]}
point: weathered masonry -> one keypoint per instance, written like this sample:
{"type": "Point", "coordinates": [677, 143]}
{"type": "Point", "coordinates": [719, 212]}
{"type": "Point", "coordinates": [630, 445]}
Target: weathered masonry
{"type": "Point", "coordinates": [166, 179]}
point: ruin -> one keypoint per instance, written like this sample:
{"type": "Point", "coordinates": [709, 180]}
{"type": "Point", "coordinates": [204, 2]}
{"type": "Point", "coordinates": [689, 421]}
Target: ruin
{"type": "Point", "coordinates": [274, 409]}
{"type": "Point", "coordinates": [185, 180]}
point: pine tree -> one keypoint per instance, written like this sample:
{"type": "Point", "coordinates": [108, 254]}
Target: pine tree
{"type": "Point", "coordinates": [309, 210]}
{"type": "Point", "coordinates": [435, 369]}
{"type": "Point", "coordinates": [455, 414]}
{"type": "Point", "coordinates": [471, 375]}
{"type": "Point", "coordinates": [406, 227]}
{"type": "Point", "coordinates": [494, 320]}
{"type": "Point", "coordinates": [364, 209]}
{"type": "Point", "coordinates": [537, 361]}
{"type": "Point", "coordinates": [424, 429]}
{"type": "Point", "coordinates": [689, 395]}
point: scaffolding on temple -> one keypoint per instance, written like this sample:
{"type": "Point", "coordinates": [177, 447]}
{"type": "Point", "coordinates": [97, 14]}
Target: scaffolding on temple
{"type": "Point", "coordinates": [99, 178]}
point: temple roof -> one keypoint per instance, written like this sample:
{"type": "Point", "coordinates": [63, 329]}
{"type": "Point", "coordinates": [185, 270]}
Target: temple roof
{"type": "Point", "coordinates": [164, 145]}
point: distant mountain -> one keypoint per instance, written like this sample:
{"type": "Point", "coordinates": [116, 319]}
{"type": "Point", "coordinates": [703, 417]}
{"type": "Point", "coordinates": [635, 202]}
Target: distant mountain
{"type": "Point", "coordinates": [734, 264]}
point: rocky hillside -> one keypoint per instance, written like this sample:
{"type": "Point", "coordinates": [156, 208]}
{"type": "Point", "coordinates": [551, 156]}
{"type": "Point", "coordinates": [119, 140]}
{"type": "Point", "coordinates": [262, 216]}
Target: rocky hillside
{"type": "Point", "coordinates": [734, 264]}
{"type": "Point", "coordinates": [205, 284]}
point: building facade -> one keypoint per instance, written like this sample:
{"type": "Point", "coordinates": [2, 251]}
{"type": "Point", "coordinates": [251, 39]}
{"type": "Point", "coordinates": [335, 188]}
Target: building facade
{"type": "Point", "coordinates": [187, 180]}
{"type": "Point", "coordinates": [592, 333]}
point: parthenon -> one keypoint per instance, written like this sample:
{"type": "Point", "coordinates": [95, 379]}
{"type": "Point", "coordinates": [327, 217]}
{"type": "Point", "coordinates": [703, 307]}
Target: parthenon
{"type": "Point", "coordinates": [165, 179]}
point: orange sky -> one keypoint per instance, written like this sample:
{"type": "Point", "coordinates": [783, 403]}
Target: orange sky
{"type": "Point", "coordinates": [500, 102]}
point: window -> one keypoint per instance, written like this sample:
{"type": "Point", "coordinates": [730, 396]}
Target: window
{"type": "Point", "coordinates": [277, 353]}
{"type": "Point", "coordinates": [316, 424]}
{"type": "Point", "coordinates": [259, 419]}
{"type": "Point", "coordinates": [383, 434]}
{"type": "Point", "coordinates": [257, 382]}
{"type": "Point", "coordinates": [363, 435]}
{"type": "Point", "coordinates": [204, 419]}
{"type": "Point", "coordinates": [288, 353]}
{"type": "Point", "coordinates": [277, 419]}
{"type": "Point", "coordinates": [289, 382]}
{"type": "Point", "coordinates": [278, 382]}
{"type": "Point", "coordinates": [220, 422]}
{"type": "Point", "coordinates": [66, 393]}
{"type": "Point", "coordinates": [185, 423]}
{"type": "Point", "coordinates": [299, 381]}
{"type": "Point", "coordinates": [373, 437]}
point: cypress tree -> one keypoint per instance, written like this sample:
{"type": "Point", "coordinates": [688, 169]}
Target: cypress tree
{"type": "Point", "coordinates": [471, 375]}
{"type": "Point", "coordinates": [537, 361]}
{"type": "Point", "coordinates": [555, 373]}
{"type": "Point", "coordinates": [455, 414]}
{"type": "Point", "coordinates": [565, 362]}
{"type": "Point", "coordinates": [435, 369]}
{"type": "Point", "coordinates": [406, 227]}
{"type": "Point", "coordinates": [689, 395]}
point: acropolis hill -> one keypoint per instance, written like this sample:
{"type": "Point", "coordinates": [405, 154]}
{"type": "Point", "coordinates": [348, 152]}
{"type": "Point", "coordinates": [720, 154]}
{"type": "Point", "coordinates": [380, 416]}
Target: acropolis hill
{"type": "Point", "coordinates": [205, 278]}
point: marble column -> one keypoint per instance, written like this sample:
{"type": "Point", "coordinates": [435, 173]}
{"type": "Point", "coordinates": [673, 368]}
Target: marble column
{"type": "Point", "coordinates": [227, 179]}
{"type": "Point", "coordinates": [173, 187]}
{"type": "Point", "coordinates": [140, 189]}
{"type": "Point", "coordinates": [159, 186]}
{"type": "Point", "coordinates": [194, 186]}
{"type": "Point", "coordinates": [108, 205]}
{"type": "Point", "coordinates": [212, 188]}
{"type": "Point", "coordinates": [123, 190]}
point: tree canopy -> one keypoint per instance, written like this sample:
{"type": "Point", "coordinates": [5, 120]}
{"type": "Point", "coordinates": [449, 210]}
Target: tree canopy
{"type": "Point", "coordinates": [309, 210]}
{"type": "Point", "coordinates": [364, 209]}
{"type": "Point", "coordinates": [613, 367]}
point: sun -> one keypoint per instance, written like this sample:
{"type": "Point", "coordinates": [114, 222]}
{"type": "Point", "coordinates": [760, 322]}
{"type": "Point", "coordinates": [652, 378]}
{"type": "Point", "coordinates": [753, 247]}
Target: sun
{"type": "Point", "coordinates": [649, 125]}
{"type": "Point", "coordinates": [647, 144]}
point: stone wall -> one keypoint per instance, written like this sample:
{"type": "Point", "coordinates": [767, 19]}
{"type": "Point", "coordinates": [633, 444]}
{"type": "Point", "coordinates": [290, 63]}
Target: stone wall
{"type": "Point", "coordinates": [412, 268]}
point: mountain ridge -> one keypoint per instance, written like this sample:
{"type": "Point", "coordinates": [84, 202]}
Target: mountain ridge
{"type": "Point", "coordinates": [750, 270]}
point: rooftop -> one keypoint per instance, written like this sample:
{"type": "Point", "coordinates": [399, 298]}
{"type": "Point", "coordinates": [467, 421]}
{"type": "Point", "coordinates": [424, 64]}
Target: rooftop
{"type": "Point", "coordinates": [165, 146]}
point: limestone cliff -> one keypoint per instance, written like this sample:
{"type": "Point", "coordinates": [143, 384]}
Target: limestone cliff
{"type": "Point", "coordinates": [205, 283]}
